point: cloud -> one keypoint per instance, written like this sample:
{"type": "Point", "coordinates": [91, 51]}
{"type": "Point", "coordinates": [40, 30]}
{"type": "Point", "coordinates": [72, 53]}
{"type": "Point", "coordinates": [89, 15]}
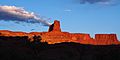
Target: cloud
{"type": "Point", "coordinates": [68, 10]}
{"type": "Point", "coordinates": [13, 13]}
{"type": "Point", "coordinates": [106, 2]}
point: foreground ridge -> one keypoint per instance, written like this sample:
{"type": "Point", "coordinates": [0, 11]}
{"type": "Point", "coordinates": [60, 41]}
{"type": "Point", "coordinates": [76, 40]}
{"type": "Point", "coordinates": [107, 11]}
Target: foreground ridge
{"type": "Point", "coordinates": [55, 35]}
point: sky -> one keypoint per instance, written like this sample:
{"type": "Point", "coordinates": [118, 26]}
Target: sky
{"type": "Point", "coordinates": [76, 16]}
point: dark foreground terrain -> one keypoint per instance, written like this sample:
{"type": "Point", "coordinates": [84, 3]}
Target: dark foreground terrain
{"type": "Point", "coordinates": [19, 48]}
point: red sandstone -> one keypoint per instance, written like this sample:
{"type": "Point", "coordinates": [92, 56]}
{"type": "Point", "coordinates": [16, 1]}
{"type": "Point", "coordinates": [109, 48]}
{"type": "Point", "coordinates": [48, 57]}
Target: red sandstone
{"type": "Point", "coordinates": [55, 35]}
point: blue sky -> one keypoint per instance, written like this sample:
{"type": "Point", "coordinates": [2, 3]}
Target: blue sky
{"type": "Point", "coordinates": [74, 17]}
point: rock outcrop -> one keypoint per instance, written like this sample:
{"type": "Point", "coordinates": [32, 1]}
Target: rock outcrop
{"type": "Point", "coordinates": [55, 35]}
{"type": "Point", "coordinates": [55, 27]}
{"type": "Point", "coordinates": [103, 39]}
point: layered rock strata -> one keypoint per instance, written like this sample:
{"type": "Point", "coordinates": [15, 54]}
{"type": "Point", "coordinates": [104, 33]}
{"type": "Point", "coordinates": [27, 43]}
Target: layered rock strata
{"type": "Point", "coordinates": [55, 35]}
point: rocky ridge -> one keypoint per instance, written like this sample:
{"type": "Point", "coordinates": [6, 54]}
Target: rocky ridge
{"type": "Point", "coordinates": [55, 35]}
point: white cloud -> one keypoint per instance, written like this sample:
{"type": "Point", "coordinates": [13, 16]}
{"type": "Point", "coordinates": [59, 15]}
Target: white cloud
{"type": "Point", "coordinates": [68, 10]}
{"type": "Point", "coordinates": [12, 13]}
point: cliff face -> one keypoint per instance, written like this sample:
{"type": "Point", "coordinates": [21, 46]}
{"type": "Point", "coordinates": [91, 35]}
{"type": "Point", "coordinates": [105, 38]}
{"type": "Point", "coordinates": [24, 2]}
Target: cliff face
{"type": "Point", "coordinates": [55, 35]}
{"type": "Point", "coordinates": [103, 39]}
{"type": "Point", "coordinates": [55, 27]}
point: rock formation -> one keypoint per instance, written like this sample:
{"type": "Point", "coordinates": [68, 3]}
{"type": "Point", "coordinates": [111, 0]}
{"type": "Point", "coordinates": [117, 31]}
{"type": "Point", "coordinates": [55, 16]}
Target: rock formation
{"type": "Point", "coordinates": [55, 27]}
{"type": "Point", "coordinates": [55, 35]}
{"type": "Point", "coordinates": [103, 39]}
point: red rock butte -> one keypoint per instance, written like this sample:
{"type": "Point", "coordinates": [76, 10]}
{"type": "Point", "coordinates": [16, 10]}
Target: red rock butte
{"type": "Point", "coordinates": [55, 35]}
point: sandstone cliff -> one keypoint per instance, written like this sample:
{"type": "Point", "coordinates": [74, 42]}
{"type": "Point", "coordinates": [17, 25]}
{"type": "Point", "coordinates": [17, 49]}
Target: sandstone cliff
{"type": "Point", "coordinates": [55, 35]}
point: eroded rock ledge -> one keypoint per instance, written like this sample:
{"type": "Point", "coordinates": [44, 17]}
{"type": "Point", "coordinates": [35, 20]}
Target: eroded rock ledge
{"type": "Point", "coordinates": [55, 35]}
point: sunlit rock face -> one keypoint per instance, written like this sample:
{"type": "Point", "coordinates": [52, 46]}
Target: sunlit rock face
{"type": "Point", "coordinates": [55, 27]}
{"type": "Point", "coordinates": [55, 35]}
{"type": "Point", "coordinates": [106, 39]}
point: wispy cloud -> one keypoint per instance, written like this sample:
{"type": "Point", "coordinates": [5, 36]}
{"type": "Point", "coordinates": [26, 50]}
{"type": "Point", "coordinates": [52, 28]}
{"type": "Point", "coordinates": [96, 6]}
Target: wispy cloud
{"type": "Point", "coordinates": [13, 13]}
{"type": "Point", "coordinates": [68, 10]}
{"type": "Point", "coordinates": [105, 2]}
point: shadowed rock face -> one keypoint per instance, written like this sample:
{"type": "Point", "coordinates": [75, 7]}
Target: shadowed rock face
{"type": "Point", "coordinates": [21, 49]}
{"type": "Point", "coordinates": [55, 35]}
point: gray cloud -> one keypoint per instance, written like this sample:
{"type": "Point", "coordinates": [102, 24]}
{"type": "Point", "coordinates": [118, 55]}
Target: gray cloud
{"type": "Point", "coordinates": [12, 13]}
{"type": "Point", "coordinates": [107, 2]}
